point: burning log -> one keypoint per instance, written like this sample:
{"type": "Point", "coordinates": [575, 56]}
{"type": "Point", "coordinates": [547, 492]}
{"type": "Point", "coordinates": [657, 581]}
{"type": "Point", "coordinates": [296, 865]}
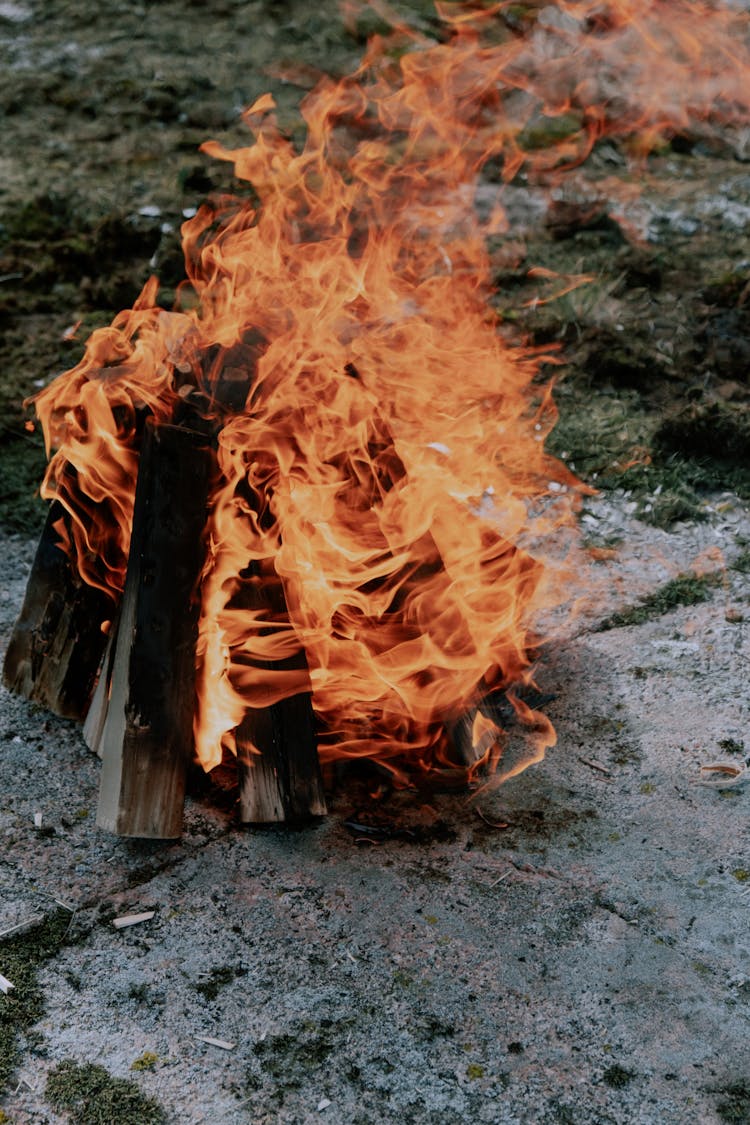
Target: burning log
{"type": "Point", "coordinates": [276, 742]}
{"type": "Point", "coordinates": [57, 643]}
{"type": "Point", "coordinates": [277, 761]}
{"type": "Point", "coordinates": [146, 738]}
{"type": "Point", "coordinates": [277, 757]}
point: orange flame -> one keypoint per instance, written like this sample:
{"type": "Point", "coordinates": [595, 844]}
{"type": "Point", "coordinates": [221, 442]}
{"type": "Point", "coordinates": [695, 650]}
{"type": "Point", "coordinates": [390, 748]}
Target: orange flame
{"type": "Point", "coordinates": [381, 459]}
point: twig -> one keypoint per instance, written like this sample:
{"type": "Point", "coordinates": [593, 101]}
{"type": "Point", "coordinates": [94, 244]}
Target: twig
{"type": "Point", "coordinates": [20, 927]}
{"type": "Point", "coordinates": [132, 919]}
{"type": "Point", "coordinates": [492, 823]}
{"type": "Point", "coordinates": [594, 765]}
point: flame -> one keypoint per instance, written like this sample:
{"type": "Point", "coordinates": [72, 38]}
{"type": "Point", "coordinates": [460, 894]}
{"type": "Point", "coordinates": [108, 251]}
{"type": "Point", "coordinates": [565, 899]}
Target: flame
{"type": "Point", "coordinates": [383, 488]}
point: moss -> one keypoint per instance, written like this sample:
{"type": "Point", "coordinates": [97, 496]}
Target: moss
{"type": "Point", "coordinates": [741, 874]}
{"type": "Point", "coordinates": [715, 435]}
{"type": "Point", "coordinates": [21, 509]}
{"type": "Point", "coordinates": [734, 1106]}
{"type": "Point", "coordinates": [291, 1058]}
{"type": "Point", "coordinates": [617, 1076]}
{"type": "Point", "coordinates": [474, 1071]}
{"type": "Point", "coordinates": [685, 589]}
{"type": "Point", "coordinates": [664, 492]}
{"type": "Point", "coordinates": [731, 745]}
{"type": "Point", "coordinates": [742, 562]}
{"type": "Point", "coordinates": [210, 988]}
{"type": "Point", "coordinates": [20, 958]}
{"type": "Point", "coordinates": [94, 1097]}
{"type": "Point", "coordinates": [39, 219]}
{"type": "Point", "coordinates": [146, 1061]}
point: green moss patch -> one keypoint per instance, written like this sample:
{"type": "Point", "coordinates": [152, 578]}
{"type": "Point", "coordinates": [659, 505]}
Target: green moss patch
{"type": "Point", "coordinates": [618, 1077]}
{"type": "Point", "coordinates": [685, 589]}
{"type": "Point", "coordinates": [20, 957]}
{"type": "Point", "coordinates": [734, 1106]}
{"type": "Point", "coordinates": [24, 462]}
{"type": "Point", "coordinates": [94, 1097]}
{"type": "Point", "coordinates": [716, 436]}
{"type": "Point", "coordinates": [211, 985]}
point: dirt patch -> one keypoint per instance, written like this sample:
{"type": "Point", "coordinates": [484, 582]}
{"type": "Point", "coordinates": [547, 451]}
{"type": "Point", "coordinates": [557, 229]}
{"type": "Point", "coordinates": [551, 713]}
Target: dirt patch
{"type": "Point", "coordinates": [105, 116]}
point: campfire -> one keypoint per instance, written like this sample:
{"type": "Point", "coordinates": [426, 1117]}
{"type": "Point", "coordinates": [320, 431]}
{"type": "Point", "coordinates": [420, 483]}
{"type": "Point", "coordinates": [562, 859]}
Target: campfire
{"type": "Point", "coordinates": [307, 515]}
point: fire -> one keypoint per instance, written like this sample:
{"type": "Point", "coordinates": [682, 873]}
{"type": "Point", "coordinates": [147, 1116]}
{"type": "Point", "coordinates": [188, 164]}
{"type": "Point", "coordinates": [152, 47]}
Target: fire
{"type": "Point", "coordinates": [381, 467]}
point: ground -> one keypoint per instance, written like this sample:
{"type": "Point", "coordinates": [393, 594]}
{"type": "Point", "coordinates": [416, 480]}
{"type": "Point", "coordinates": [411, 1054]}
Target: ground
{"type": "Point", "coordinates": [588, 962]}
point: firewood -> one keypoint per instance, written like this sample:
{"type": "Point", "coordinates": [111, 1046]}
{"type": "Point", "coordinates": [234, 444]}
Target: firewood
{"type": "Point", "coordinates": [93, 726]}
{"type": "Point", "coordinates": [283, 782]}
{"type": "Point", "coordinates": [147, 735]}
{"type": "Point", "coordinates": [57, 643]}
{"type": "Point", "coordinates": [277, 756]}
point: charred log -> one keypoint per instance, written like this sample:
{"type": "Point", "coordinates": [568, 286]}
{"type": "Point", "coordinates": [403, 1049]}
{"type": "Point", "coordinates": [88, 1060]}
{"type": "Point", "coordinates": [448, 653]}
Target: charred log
{"type": "Point", "coordinates": [277, 755]}
{"type": "Point", "coordinates": [146, 738]}
{"type": "Point", "coordinates": [57, 643]}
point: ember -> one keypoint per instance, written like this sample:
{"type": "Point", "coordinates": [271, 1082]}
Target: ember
{"type": "Point", "coordinates": [376, 535]}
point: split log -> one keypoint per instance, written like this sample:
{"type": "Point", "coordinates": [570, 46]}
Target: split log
{"type": "Point", "coordinates": [93, 726]}
{"type": "Point", "coordinates": [146, 739]}
{"type": "Point", "coordinates": [277, 750]}
{"type": "Point", "coordinates": [282, 782]}
{"type": "Point", "coordinates": [277, 755]}
{"type": "Point", "coordinates": [57, 643]}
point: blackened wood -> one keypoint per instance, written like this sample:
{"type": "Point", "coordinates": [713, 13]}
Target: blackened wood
{"type": "Point", "coordinates": [227, 373]}
{"type": "Point", "coordinates": [465, 751]}
{"type": "Point", "coordinates": [57, 643]}
{"type": "Point", "coordinates": [277, 755]}
{"type": "Point", "coordinates": [496, 707]}
{"type": "Point", "coordinates": [147, 736]}
{"type": "Point", "coordinates": [282, 781]}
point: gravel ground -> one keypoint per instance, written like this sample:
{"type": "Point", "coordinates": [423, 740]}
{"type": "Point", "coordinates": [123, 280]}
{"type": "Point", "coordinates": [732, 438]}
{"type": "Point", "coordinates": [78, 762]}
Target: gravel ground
{"type": "Point", "coordinates": [588, 963]}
